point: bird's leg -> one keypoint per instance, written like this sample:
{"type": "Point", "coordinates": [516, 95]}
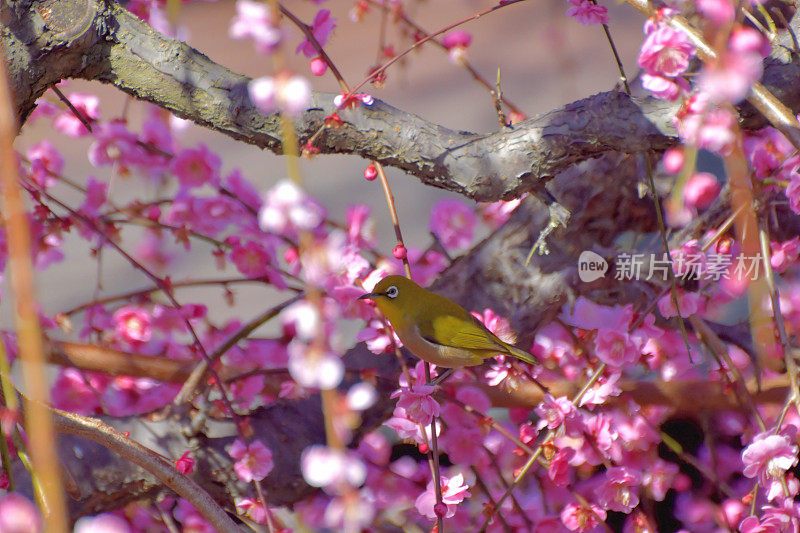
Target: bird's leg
{"type": "Point", "coordinates": [443, 376]}
{"type": "Point", "coordinates": [559, 216]}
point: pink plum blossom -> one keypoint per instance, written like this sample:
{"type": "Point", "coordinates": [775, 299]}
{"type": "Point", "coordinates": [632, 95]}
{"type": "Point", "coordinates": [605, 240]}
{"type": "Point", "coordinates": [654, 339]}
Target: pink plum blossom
{"type": "Point", "coordinates": [453, 222]}
{"type": "Point", "coordinates": [454, 491]}
{"type": "Point", "coordinates": [784, 254]}
{"type": "Point", "coordinates": [196, 167]}
{"type": "Point", "coordinates": [497, 213]}
{"type": "Point", "coordinates": [587, 12]}
{"type": "Point", "coordinates": [418, 403]}
{"type": "Point", "coordinates": [380, 338]}
{"type": "Point", "coordinates": [666, 52]}
{"type": "Point", "coordinates": [705, 126]}
{"type": "Point", "coordinates": [730, 78]}
{"type": "Point", "coordinates": [719, 12]}
{"type": "Point", "coordinates": [253, 461]}
{"type": "Point", "coordinates": [46, 163]}
{"type": "Point", "coordinates": [559, 471]}
{"type": "Point", "coordinates": [114, 144]}
{"type": "Point", "coordinates": [185, 464]}
{"type": "Point", "coordinates": [792, 192]}
{"type": "Point", "coordinates": [579, 518]}
{"type": "Point", "coordinates": [701, 189]}
{"type": "Point", "coordinates": [457, 42]}
{"type": "Point", "coordinates": [616, 348]}
{"type": "Point", "coordinates": [555, 412]}
{"type": "Point", "coordinates": [253, 509]}
{"type": "Point", "coordinates": [255, 260]}
{"type": "Point", "coordinates": [665, 88]}
{"type": "Point", "coordinates": [659, 476]}
{"type": "Point", "coordinates": [133, 324]}
{"type": "Point", "coordinates": [322, 27]}
{"type": "Point", "coordinates": [768, 457]}
{"type": "Point", "coordinates": [88, 105]}
{"type": "Point", "coordinates": [72, 391]}
{"type": "Point", "coordinates": [620, 491]}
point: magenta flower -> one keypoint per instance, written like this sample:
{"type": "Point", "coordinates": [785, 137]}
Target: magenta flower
{"type": "Point", "coordinates": [576, 517]}
{"type": "Point", "coordinates": [73, 392]}
{"type": "Point", "coordinates": [616, 348]}
{"type": "Point", "coordinates": [46, 163]}
{"type": "Point", "coordinates": [253, 20]}
{"type": "Point", "coordinates": [18, 514]}
{"type": "Point", "coordinates": [666, 52]}
{"type": "Point", "coordinates": [360, 227]}
{"type": "Point", "coordinates": [660, 476]}
{"type": "Point", "coordinates": [768, 457]}
{"type": "Point", "coordinates": [701, 189]}
{"type": "Point", "coordinates": [196, 167]}
{"type": "Point", "coordinates": [497, 213]}
{"type": "Point", "coordinates": [555, 412]}
{"type": "Point", "coordinates": [253, 509]}
{"type": "Point", "coordinates": [620, 491]}
{"type": "Point", "coordinates": [453, 222]}
{"type": "Point", "coordinates": [252, 462]}
{"type": "Point", "coordinates": [496, 324]}
{"type": "Point", "coordinates": [253, 259]}
{"type": "Point", "coordinates": [322, 27]}
{"type": "Point", "coordinates": [418, 403]}
{"type": "Point", "coordinates": [114, 144]}
{"type": "Point", "coordinates": [719, 12]}
{"type": "Point", "coordinates": [784, 254]}
{"type": "Point", "coordinates": [559, 469]}
{"type": "Point", "coordinates": [184, 463]}
{"type": "Point", "coordinates": [729, 80]}
{"type": "Point", "coordinates": [792, 192]}
{"type": "Point", "coordinates": [587, 12]}
{"type": "Point", "coordinates": [457, 38]}
{"type": "Point", "coordinates": [133, 324]}
{"type": "Point", "coordinates": [378, 337]}
{"type": "Point", "coordinates": [88, 105]}
{"type": "Point", "coordinates": [453, 492]}
{"type": "Point", "coordinates": [767, 149]}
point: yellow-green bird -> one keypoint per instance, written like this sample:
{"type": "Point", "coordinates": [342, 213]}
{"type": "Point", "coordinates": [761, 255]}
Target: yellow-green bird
{"type": "Point", "coordinates": [436, 329]}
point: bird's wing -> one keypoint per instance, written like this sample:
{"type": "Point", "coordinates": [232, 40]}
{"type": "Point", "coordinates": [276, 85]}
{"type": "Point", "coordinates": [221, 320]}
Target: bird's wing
{"type": "Point", "coordinates": [449, 330]}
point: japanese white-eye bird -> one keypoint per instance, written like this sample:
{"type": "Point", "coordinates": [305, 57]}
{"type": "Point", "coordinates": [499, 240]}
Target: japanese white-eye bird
{"type": "Point", "coordinates": [436, 329]}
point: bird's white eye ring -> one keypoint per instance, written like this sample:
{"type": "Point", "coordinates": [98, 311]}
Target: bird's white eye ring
{"type": "Point", "coordinates": [392, 292]}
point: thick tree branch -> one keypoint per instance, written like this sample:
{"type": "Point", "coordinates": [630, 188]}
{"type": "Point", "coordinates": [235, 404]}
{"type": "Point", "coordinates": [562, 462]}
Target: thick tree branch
{"type": "Point", "coordinates": [91, 39]}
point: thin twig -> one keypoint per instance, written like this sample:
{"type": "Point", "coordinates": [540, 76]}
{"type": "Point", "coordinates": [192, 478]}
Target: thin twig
{"type": "Point", "coordinates": [165, 471]}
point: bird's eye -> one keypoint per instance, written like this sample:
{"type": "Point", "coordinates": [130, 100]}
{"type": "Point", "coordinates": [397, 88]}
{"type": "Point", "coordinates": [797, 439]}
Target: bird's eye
{"type": "Point", "coordinates": [391, 292]}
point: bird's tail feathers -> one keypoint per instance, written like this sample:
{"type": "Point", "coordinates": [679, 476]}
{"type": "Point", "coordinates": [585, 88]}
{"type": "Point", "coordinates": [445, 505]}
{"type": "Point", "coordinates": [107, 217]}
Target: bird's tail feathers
{"type": "Point", "coordinates": [522, 354]}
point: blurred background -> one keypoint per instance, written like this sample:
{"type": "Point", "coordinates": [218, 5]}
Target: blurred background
{"type": "Point", "coordinates": [546, 60]}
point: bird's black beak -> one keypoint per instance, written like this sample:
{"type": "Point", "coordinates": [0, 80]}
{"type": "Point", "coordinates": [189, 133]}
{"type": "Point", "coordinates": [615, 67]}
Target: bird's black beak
{"type": "Point", "coordinates": [369, 296]}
